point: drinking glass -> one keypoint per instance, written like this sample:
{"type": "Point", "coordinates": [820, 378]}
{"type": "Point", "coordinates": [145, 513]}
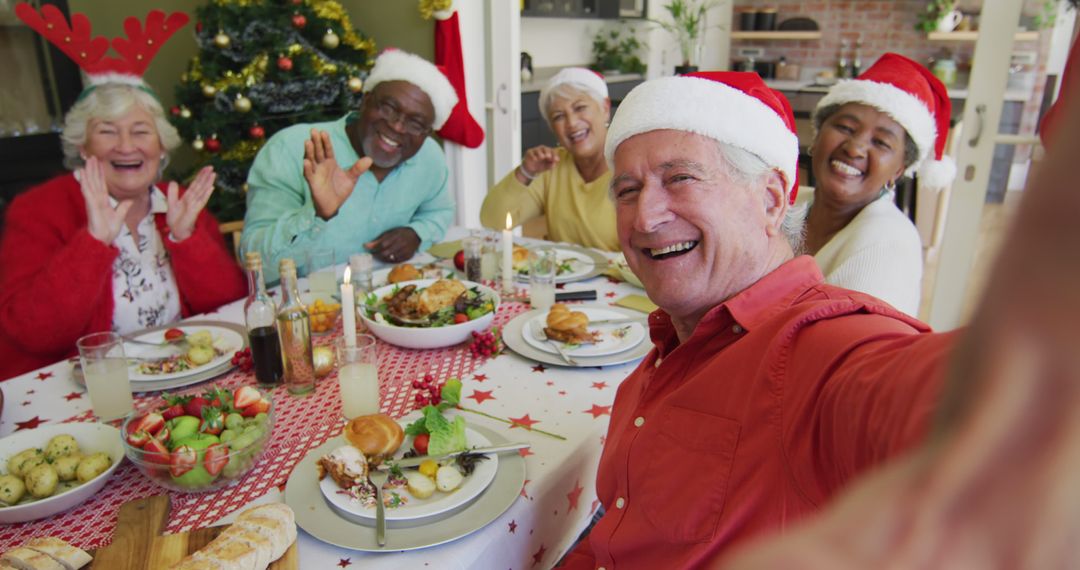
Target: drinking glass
{"type": "Point", "coordinates": [474, 253]}
{"type": "Point", "coordinates": [105, 369]}
{"type": "Point", "coordinates": [358, 376]}
{"type": "Point", "coordinates": [489, 261]}
{"type": "Point", "coordinates": [542, 267]}
{"type": "Point", "coordinates": [321, 274]}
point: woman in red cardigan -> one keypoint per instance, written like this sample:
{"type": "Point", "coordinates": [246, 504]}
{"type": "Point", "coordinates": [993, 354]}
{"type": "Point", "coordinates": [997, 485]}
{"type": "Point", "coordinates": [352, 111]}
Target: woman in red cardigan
{"type": "Point", "coordinates": [108, 246]}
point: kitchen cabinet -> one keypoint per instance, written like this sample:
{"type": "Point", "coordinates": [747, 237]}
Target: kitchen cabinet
{"type": "Point", "coordinates": [534, 131]}
{"type": "Point", "coordinates": [588, 9]}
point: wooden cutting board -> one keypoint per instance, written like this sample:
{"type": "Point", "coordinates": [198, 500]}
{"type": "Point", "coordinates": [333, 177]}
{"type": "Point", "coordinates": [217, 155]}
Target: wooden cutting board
{"type": "Point", "coordinates": [139, 545]}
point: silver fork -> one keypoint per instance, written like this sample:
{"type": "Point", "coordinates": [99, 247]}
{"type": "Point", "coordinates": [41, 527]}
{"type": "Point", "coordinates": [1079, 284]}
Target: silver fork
{"type": "Point", "coordinates": [378, 479]}
{"type": "Point", "coordinates": [538, 331]}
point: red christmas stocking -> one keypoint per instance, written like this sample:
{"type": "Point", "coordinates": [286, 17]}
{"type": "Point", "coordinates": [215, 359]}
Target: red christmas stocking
{"type": "Point", "coordinates": [461, 127]}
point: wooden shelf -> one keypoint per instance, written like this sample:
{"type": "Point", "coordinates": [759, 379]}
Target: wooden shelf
{"type": "Point", "coordinates": [779, 35]}
{"type": "Point", "coordinates": [972, 36]}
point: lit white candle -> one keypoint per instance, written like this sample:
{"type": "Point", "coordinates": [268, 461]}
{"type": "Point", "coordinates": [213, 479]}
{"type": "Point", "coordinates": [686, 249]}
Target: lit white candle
{"type": "Point", "coordinates": [348, 311]}
{"type": "Point", "coordinates": [508, 256]}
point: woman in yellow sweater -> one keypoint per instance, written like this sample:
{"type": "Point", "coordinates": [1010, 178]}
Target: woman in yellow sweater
{"type": "Point", "coordinates": [569, 183]}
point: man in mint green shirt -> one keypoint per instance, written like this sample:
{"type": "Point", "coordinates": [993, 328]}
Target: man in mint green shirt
{"type": "Point", "coordinates": [393, 199]}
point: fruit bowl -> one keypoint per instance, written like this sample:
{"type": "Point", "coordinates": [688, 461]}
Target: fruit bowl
{"type": "Point", "coordinates": [427, 337]}
{"type": "Point", "coordinates": [323, 311]}
{"type": "Point", "coordinates": [193, 454]}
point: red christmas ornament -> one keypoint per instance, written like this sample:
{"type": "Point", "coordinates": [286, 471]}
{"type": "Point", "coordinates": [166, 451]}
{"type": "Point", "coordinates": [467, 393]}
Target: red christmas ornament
{"type": "Point", "coordinates": [175, 111]}
{"type": "Point", "coordinates": [297, 2]}
{"type": "Point", "coordinates": [213, 145]}
{"type": "Point", "coordinates": [299, 21]}
{"type": "Point", "coordinates": [198, 27]}
{"type": "Point", "coordinates": [257, 132]}
{"type": "Point", "coordinates": [284, 63]}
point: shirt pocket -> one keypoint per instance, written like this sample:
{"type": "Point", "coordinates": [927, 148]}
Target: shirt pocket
{"type": "Point", "coordinates": [689, 457]}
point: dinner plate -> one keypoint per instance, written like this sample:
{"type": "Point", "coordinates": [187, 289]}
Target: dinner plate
{"type": "Point", "coordinates": [584, 263]}
{"type": "Point", "coordinates": [515, 340]}
{"type": "Point", "coordinates": [226, 339]}
{"type": "Point", "coordinates": [317, 518]}
{"type": "Point", "coordinates": [416, 509]}
{"type": "Point", "coordinates": [614, 338]}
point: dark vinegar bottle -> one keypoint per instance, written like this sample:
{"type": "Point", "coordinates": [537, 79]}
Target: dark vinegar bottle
{"type": "Point", "coordinates": [260, 315]}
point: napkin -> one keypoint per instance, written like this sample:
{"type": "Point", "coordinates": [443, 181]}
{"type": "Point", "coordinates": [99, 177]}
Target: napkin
{"type": "Point", "coordinates": [446, 249]}
{"type": "Point", "coordinates": [637, 303]}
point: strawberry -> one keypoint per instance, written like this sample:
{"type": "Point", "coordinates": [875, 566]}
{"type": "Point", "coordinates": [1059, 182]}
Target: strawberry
{"type": "Point", "coordinates": [174, 335]}
{"type": "Point", "coordinates": [420, 443]}
{"type": "Point", "coordinates": [182, 460]}
{"type": "Point", "coordinates": [162, 435]}
{"type": "Point", "coordinates": [215, 458]}
{"type": "Point", "coordinates": [246, 396]}
{"type": "Point", "coordinates": [219, 397]}
{"type": "Point", "coordinates": [212, 421]}
{"type": "Point", "coordinates": [173, 411]}
{"type": "Point", "coordinates": [138, 438]}
{"type": "Point", "coordinates": [263, 405]}
{"type": "Point", "coordinates": [174, 405]}
{"type": "Point", "coordinates": [150, 423]}
{"type": "Point", "coordinates": [155, 452]}
{"type": "Point", "coordinates": [194, 406]}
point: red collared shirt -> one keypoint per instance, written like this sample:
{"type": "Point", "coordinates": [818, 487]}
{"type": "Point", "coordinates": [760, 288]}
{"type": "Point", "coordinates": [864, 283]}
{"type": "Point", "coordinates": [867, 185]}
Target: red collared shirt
{"type": "Point", "coordinates": [783, 393]}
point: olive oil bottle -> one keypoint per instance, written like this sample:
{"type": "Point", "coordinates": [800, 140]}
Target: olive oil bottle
{"type": "Point", "coordinates": [294, 330]}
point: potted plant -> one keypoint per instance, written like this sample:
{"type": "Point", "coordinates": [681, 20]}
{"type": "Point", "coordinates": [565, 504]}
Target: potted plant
{"type": "Point", "coordinates": [687, 24]}
{"type": "Point", "coordinates": [931, 18]}
{"type": "Point", "coordinates": [616, 50]}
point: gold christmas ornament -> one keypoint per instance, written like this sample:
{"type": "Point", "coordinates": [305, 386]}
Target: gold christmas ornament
{"type": "Point", "coordinates": [323, 359]}
{"type": "Point", "coordinates": [331, 40]}
{"type": "Point", "coordinates": [295, 49]}
{"type": "Point", "coordinates": [222, 40]}
{"type": "Point", "coordinates": [242, 104]}
{"type": "Point", "coordinates": [185, 113]}
{"type": "Point", "coordinates": [198, 143]}
{"type": "Point", "coordinates": [209, 90]}
{"type": "Point", "coordinates": [355, 85]}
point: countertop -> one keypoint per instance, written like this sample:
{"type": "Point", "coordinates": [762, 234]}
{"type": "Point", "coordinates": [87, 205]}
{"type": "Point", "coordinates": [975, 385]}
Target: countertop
{"type": "Point", "coordinates": [541, 75]}
{"type": "Point", "coordinates": [803, 86]}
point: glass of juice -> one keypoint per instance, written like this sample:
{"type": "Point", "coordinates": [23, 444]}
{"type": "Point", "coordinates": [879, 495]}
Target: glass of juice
{"type": "Point", "coordinates": [321, 273]}
{"type": "Point", "coordinates": [105, 369]}
{"type": "Point", "coordinates": [358, 375]}
{"type": "Point", "coordinates": [542, 268]}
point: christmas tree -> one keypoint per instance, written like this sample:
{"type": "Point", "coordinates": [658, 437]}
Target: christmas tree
{"type": "Point", "coordinates": [264, 65]}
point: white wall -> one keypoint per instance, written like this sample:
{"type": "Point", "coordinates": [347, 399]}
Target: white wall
{"type": "Point", "coordinates": [558, 42]}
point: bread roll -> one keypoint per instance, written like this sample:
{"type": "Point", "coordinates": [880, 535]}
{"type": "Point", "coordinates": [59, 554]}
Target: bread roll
{"type": "Point", "coordinates": [230, 553]}
{"type": "Point", "coordinates": [259, 536]}
{"type": "Point", "coordinates": [375, 435]}
{"type": "Point", "coordinates": [191, 563]}
{"type": "Point", "coordinates": [403, 272]}
{"type": "Point", "coordinates": [25, 558]}
{"type": "Point", "coordinates": [68, 556]}
{"type": "Point", "coordinates": [568, 326]}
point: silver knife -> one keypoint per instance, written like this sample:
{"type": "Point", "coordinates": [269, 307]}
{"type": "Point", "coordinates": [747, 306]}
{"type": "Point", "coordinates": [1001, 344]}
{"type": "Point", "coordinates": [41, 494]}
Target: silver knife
{"type": "Point", "coordinates": [414, 461]}
{"type": "Point", "coordinates": [619, 321]}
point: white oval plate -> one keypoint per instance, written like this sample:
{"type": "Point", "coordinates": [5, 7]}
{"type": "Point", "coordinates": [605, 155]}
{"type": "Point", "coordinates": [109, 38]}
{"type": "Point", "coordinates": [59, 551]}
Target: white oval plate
{"type": "Point", "coordinates": [92, 438]}
{"type": "Point", "coordinates": [225, 339]}
{"type": "Point", "coordinates": [422, 508]}
{"type": "Point", "coordinates": [609, 343]}
{"type": "Point", "coordinates": [584, 263]}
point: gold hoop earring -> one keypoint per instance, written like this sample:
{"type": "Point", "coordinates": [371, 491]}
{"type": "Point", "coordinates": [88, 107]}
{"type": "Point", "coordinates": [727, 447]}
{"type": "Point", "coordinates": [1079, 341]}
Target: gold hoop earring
{"type": "Point", "coordinates": [890, 186]}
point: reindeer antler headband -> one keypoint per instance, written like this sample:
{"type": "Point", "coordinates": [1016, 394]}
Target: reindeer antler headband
{"type": "Point", "coordinates": [136, 50]}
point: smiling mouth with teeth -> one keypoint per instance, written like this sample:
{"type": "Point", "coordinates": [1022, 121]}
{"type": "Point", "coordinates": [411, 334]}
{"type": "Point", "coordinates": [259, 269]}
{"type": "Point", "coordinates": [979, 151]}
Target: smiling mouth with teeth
{"type": "Point", "coordinates": [388, 141]}
{"type": "Point", "coordinates": [847, 169]}
{"type": "Point", "coordinates": [673, 250]}
{"type": "Point", "coordinates": [127, 165]}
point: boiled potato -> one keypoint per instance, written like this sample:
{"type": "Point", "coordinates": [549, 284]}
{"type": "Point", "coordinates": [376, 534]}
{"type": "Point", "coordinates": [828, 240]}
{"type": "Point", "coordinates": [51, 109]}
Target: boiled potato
{"type": "Point", "coordinates": [199, 355]}
{"type": "Point", "coordinates": [201, 338]}
{"type": "Point", "coordinates": [421, 486]}
{"type": "Point", "coordinates": [60, 446]}
{"type": "Point", "coordinates": [12, 489]}
{"type": "Point", "coordinates": [448, 478]}
{"type": "Point", "coordinates": [41, 481]}
{"type": "Point", "coordinates": [24, 461]}
{"type": "Point", "coordinates": [91, 466]}
{"type": "Point", "coordinates": [66, 466]}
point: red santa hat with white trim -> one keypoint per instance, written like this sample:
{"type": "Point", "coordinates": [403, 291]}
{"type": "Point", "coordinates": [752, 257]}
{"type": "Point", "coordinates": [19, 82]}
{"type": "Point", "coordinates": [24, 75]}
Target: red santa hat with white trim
{"type": "Point", "coordinates": [913, 97]}
{"type": "Point", "coordinates": [398, 65]}
{"type": "Point", "coordinates": [731, 107]}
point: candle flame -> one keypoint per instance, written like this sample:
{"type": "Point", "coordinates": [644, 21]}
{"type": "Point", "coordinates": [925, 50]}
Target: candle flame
{"type": "Point", "coordinates": [348, 274]}
{"type": "Point", "coordinates": [509, 221]}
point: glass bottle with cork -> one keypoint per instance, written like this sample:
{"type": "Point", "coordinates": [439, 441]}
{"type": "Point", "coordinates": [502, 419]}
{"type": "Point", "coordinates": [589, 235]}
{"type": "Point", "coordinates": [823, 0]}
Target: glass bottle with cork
{"type": "Point", "coordinates": [260, 313]}
{"type": "Point", "coordinates": [856, 60]}
{"type": "Point", "coordinates": [294, 330]}
{"type": "Point", "coordinates": [843, 70]}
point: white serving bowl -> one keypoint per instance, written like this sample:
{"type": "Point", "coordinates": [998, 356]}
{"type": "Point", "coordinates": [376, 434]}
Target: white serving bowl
{"type": "Point", "coordinates": [92, 438]}
{"type": "Point", "coordinates": [624, 271]}
{"type": "Point", "coordinates": [434, 337]}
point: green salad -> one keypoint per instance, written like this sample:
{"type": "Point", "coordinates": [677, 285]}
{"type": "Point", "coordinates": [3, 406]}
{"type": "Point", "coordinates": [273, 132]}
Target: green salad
{"type": "Point", "coordinates": [469, 306]}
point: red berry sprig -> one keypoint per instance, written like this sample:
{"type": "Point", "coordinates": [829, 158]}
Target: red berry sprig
{"type": "Point", "coordinates": [486, 344]}
{"type": "Point", "coordinates": [242, 360]}
{"type": "Point", "coordinates": [429, 392]}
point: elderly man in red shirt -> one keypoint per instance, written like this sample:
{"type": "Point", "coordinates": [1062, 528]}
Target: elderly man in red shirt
{"type": "Point", "coordinates": [768, 389]}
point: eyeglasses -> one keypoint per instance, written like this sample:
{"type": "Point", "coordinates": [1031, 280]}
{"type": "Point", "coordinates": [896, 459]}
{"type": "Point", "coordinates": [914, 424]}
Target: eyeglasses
{"type": "Point", "coordinates": [414, 125]}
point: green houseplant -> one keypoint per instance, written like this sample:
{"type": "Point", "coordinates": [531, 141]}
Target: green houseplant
{"type": "Point", "coordinates": [934, 12]}
{"type": "Point", "coordinates": [687, 25]}
{"type": "Point", "coordinates": [616, 49]}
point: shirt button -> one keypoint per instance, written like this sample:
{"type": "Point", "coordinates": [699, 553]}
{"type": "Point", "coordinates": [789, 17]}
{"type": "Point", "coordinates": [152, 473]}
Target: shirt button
{"type": "Point", "coordinates": [737, 329]}
{"type": "Point", "coordinates": [620, 502]}
{"type": "Point", "coordinates": [639, 421]}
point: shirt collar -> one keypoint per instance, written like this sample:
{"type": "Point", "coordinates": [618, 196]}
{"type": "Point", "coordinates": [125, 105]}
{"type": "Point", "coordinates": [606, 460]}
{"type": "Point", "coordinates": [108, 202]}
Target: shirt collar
{"type": "Point", "coordinates": [158, 203]}
{"type": "Point", "coordinates": [752, 306]}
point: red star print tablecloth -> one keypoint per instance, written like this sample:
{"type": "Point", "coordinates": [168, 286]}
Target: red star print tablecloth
{"type": "Point", "coordinates": [556, 501]}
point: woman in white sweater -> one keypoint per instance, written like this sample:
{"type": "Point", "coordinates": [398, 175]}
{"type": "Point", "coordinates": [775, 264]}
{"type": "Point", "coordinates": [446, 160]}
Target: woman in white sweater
{"type": "Point", "coordinates": [869, 132]}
